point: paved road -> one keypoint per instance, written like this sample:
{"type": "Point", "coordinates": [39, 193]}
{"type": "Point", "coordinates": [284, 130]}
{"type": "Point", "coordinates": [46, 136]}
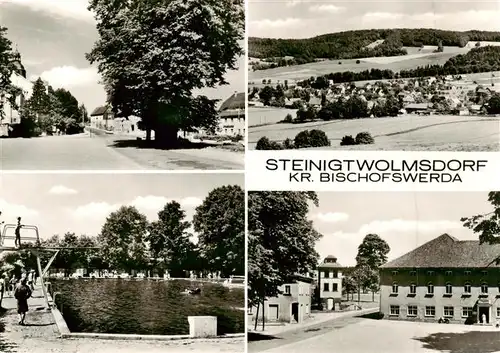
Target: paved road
{"type": "Point", "coordinates": [91, 152]}
{"type": "Point", "coordinates": [40, 335]}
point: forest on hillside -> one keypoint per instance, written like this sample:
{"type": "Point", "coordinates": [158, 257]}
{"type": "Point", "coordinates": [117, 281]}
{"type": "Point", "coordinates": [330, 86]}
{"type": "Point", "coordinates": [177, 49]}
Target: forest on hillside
{"type": "Point", "coordinates": [352, 44]}
{"type": "Point", "coordinates": [481, 59]}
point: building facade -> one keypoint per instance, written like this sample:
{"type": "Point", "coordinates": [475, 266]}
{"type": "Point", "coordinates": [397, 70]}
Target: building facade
{"type": "Point", "coordinates": [292, 306]}
{"type": "Point", "coordinates": [232, 116]}
{"type": "Point", "coordinates": [330, 282]}
{"type": "Point", "coordinates": [102, 118]}
{"type": "Point", "coordinates": [445, 279]}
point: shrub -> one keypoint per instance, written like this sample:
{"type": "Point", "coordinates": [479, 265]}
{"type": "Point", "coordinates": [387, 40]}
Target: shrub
{"type": "Point", "coordinates": [364, 138]}
{"type": "Point", "coordinates": [340, 62]}
{"type": "Point", "coordinates": [358, 61]}
{"type": "Point", "coordinates": [312, 138]}
{"type": "Point", "coordinates": [265, 144]}
{"type": "Point", "coordinates": [288, 144]}
{"type": "Point", "coordinates": [347, 140]}
{"type": "Point", "coordinates": [288, 118]}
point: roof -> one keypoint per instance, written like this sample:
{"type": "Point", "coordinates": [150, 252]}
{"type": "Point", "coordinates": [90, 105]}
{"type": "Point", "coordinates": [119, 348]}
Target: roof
{"type": "Point", "coordinates": [99, 110]}
{"type": "Point", "coordinates": [236, 101]}
{"type": "Point", "coordinates": [332, 263]}
{"type": "Point", "coordinates": [446, 251]}
{"type": "Point", "coordinates": [240, 113]}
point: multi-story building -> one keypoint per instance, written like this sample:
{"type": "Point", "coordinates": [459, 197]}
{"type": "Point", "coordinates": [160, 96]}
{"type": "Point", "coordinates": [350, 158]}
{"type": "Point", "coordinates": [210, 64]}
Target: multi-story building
{"type": "Point", "coordinates": [293, 305]}
{"type": "Point", "coordinates": [232, 116]}
{"type": "Point", "coordinates": [330, 282]}
{"type": "Point", "coordinates": [102, 118]}
{"type": "Point", "coordinates": [444, 278]}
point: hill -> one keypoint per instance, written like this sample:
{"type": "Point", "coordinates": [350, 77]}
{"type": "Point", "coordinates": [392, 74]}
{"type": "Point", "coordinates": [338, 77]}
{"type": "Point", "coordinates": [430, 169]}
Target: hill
{"type": "Point", "coordinates": [357, 44]}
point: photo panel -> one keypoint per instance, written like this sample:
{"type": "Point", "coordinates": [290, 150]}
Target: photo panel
{"type": "Point", "coordinates": [82, 92]}
{"type": "Point", "coordinates": [122, 262]}
{"type": "Point", "coordinates": [409, 272]}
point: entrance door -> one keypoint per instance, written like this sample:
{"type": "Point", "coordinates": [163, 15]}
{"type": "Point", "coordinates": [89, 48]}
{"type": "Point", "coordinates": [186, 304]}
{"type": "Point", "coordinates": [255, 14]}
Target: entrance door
{"type": "Point", "coordinates": [295, 312]}
{"type": "Point", "coordinates": [272, 314]}
{"type": "Point", "coordinates": [484, 315]}
{"type": "Point", "coordinates": [329, 304]}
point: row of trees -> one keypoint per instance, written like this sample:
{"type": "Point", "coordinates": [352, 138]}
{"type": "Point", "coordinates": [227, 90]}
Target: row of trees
{"type": "Point", "coordinates": [352, 44]}
{"type": "Point", "coordinates": [477, 60]}
{"type": "Point", "coordinates": [183, 46]}
{"type": "Point", "coordinates": [128, 241]}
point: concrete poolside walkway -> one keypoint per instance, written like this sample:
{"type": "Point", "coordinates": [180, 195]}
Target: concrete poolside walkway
{"type": "Point", "coordinates": [40, 335]}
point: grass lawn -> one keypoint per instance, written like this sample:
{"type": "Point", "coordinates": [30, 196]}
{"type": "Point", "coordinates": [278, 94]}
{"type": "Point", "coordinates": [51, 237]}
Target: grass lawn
{"type": "Point", "coordinates": [403, 133]}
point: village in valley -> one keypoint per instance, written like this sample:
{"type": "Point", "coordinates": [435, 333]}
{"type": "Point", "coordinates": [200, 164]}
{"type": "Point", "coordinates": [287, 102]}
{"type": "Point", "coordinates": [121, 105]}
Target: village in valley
{"type": "Point", "coordinates": [430, 97]}
{"type": "Point", "coordinates": [431, 283]}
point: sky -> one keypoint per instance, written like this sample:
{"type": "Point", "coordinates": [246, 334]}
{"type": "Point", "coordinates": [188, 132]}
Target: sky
{"type": "Point", "coordinates": [306, 18]}
{"type": "Point", "coordinates": [53, 37]}
{"type": "Point", "coordinates": [405, 220]}
{"type": "Point", "coordinates": [80, 203]}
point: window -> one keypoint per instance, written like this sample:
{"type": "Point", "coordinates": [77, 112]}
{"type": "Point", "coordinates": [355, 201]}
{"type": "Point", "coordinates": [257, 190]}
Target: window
{"type": "Point", "coordinates": [322, 274]}
{"type": "Point", "coordinates": [498, 312]}
{"type": "Point", "coordinates": [484, 288]}
{"type": "Point", "coordinates": [467, 273]}
{"type": "Point", "coordinates": [394, 310]}
{"type": "Point", "coordinates": [335, 274]}
{"type": "Point", "coordinates": [430, 273]}
{"type": "Point", "coordinates": [394, 273]}
{"type": "Point", "coordinates": [449, 288]}
{"type": "Point", "coordinates": [326, 287]}
{"type": "Point", "coordinates": [335, 287]}
{"type": "Point", "coordinates": [287, 289]}
{"type": "Point", "coordinates": [430, 288]}
{"type": "Point", "coordinates": [430, 311]}
{"type": "Point", "coordinates": [448, 311]}
{"type": "Point", "coordinates": [395, 288]}
{"type": "Point", "coordinates": [412, 310]}
{"type": "Point", "coordinates": [485, 273]}
{"type": "Point", "coordinates": [467, 287]}
{"type": "Point", "coordinates": [327, 274]}
{"type": "Point", "coordinates": [466, 311]}
{"type": "Point", "coordinates": [413, 273]}
{"type": "Point", "coordinates": [413, 288]}
{"type": "Point", "coordinates": [448, 273]}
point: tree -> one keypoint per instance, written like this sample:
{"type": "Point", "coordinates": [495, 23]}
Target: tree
{"type": "Point", "coordinates": [122, 239]}
{"type": "Point", "coordinates": [266, 94]}
{"type": "Point", "coordinates": [9, 61]}
{"type": "Point", "coordinates": [220, 224]}
{"type": "Point", "coordinates": [281, 241]}
{"type": "Point", "coordinates": [153, 54]}
{"type": "Point", "coordinates": [168, 239]}
{"type": "Point", "coordinates": [486, 225]}
{"type": "Point", "coordinates": [84, 113]}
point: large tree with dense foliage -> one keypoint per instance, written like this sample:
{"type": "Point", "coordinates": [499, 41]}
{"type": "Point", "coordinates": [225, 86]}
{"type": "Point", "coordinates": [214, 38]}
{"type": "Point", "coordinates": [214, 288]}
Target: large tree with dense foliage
{"type": "Point", "coordinates": [486, 225]}
{"type": "Point", "coordinates": [220, 224]}
{"type": "Point", "coordinates": [281, 241]}
{"type": "Point", "coordinates": [153, 54]}
{"type": "Point", "coordinates": [169, 241]}
{"type": "Point", "coordinates": [8, 65]}
{"type": "Point", "coordinates": [123, 239]}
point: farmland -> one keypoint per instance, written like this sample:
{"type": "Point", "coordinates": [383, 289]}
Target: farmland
{"type": "Point", "coordinates": [267, 115]}
{"type": "Point", "coordinates": [414, 59]}
{"type": "Point", "coordinates": [403, 133]}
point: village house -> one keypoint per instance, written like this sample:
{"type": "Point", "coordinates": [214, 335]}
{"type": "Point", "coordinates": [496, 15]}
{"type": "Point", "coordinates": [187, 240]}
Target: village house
{"type": "Point", "coordinates": [11, 115]}
{"type": "Point", "coordinates": [102, 118]}
{"type": "Point", "coordinates": [232, 116]}
{"type": "Point", "coordinates": [330, 282]}
{"type": "Point", "coordinates": [445, 279]}
{"type": "Point", "coordinates": [292, 306]}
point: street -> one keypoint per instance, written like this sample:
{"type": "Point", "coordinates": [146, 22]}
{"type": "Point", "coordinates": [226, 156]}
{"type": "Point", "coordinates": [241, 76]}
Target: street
{"type": "Point", "coordinates": [92, 152]}
{"type": "Point", "coordinates": [356, 335]}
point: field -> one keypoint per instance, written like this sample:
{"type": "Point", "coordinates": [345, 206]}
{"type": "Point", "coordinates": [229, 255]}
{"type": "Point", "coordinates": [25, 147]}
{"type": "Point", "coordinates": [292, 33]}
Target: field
{"type": "Point", "coordinates": [267, 115]}
{"type": "Point", "coordinates": [403, 133]}
{"type": "Point", "coordinates": [414, 59]}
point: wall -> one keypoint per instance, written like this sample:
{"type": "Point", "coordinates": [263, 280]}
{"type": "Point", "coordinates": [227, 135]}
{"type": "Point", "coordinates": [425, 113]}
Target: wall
{"type": "Point", "coordinates": [439, 299]}
{"type": "Point", "coordinates": [232, 125]}
{"type": "Point", "coordinates": [325, 295]}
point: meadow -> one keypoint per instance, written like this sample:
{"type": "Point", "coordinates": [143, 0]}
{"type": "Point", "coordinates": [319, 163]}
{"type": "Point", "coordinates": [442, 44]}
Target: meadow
{"type": "Point", "coordinates": [403, 133]}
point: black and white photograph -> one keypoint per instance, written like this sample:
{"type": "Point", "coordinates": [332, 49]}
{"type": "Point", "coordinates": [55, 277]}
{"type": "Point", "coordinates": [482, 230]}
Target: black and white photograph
{"type": "Point", "coordinates": [122, 263]}
{"type": "Point", "coordinates": [373, 272]}
{"type": "Point", "coordinates": [129, 85]}
{"type": "Point", "coordinates": [374, 75]}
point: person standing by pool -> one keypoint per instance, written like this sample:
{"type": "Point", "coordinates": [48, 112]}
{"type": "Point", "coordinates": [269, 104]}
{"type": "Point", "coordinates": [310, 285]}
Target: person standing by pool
{"type": "Point", "coordinates": [30, 280]}
{"type": "Point", "coordinates": [17, 242]}
{"type": "Point", "coordinates": [22, 293]}
{"type": "Point", "coordinates": [4, 282]}
{"type": "Point", "coordinates": [12, 284]}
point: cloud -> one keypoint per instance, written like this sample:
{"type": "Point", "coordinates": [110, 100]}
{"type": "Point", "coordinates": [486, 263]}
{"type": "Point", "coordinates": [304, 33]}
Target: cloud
{"type": "Point", "coordinates": [10, 211]}
{"type": "Point", "coordinates": [279, 23]}
{"type": "Point", "coordinates": [326, 8]}
{"type": "Point", "coordinates": [70, 76]}
{"type": "Point", "coordinates": [74, 9]}
{"type": "Point", "coordinates": [332, 217]}
{"type": "Point", "coordinates": [401, 235]}
{"type": "Point", "coordinates": [150, 205]}
{"type": "Point", "coordinates": [62, 190]}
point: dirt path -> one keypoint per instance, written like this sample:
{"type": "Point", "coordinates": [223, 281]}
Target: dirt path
{"type": "Point", "coordinates": [40, 335]}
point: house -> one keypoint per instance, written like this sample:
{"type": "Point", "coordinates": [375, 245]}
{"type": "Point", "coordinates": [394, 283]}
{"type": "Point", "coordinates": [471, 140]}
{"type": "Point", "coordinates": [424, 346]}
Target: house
{"type": "Point", "coordinates": [126, 126]}
{"type": "Point", "coordinates": [232, 116]}
{"type": "Point", "coordinates": [102, 118]}
{"type": "Point", "coordinates": [293, 305]}
{"type": "Point", "coordinates": [443, 278]}
{"type": "Point", "coordinates": [12, 116]}
{"type": "Point", "coordinates": [330, 282]}
{"type": "Point", "coordinates": [417, 108]}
